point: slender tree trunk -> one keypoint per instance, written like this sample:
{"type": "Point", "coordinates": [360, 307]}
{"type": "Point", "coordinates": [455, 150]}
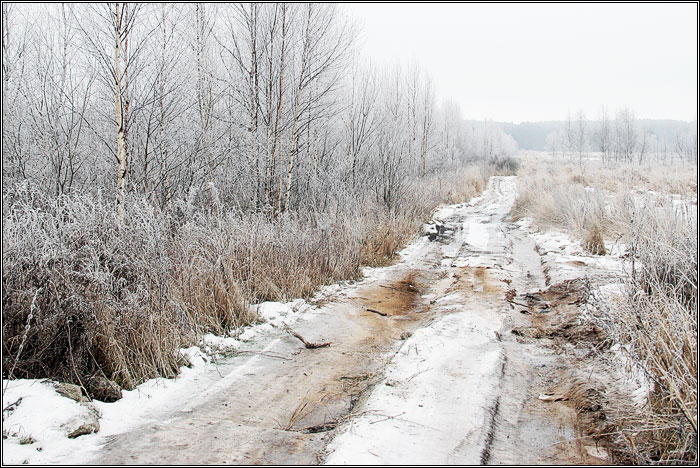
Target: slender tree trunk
{"type": "Point", "coordinates": [292, 150]}
{"type": "Point", "coordinates": [121, 145]}
{"type": "Point", "coordinates": [161, 104]}
{"type": "Point", "coordinates": [5, 66]}
{"type": "Point", "coordinates": [125, 118]}
{"type": "Point", "coordinates": [269, 174]}
{"type": "Point", "coordinates": [254, 99]}
{"type": "Point", "coordinates": [204, 88]}
{"type": "Point", "coordinates": [297, 113]}
{"type": "Point", "coordinates": [278, 114]}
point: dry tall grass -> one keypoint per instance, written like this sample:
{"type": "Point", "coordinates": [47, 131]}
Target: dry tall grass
{"type": "Point", "coordinates": [582, 200]}
{"type": "Point", "coordinates": [117, 301]}
{"type": "Point", "coordinates": [657, 323]}
{"type": "Point", "coordinates": [658, 326]}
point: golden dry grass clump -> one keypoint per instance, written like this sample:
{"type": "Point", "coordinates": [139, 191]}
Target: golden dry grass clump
{"type": "Point", "coordinates": [593, 242]}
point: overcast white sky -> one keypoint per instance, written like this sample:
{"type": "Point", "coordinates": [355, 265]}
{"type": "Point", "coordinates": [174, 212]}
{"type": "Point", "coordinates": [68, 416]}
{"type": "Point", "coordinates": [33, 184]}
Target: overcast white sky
{"type": "Point", "coordinates": [528, 62]}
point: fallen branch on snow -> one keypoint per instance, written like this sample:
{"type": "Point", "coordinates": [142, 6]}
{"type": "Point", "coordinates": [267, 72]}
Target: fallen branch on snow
{"type": "Point", "coordinates": [308, 344]}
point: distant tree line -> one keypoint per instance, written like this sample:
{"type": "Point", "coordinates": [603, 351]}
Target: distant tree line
{"type": "Point", "coordinates": [617, 137]}
{"type": "Point", "coordinates": [623, 139]}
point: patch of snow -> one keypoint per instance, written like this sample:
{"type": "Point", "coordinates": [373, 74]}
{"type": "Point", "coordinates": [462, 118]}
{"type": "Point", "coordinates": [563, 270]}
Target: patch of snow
{"type": "Point", "coordinates": [640, 396]}
{"type": "Point", "coordinates": [38, 417]}
{"type": "Point", "coordinates": [219, 343]}
{"type": "Point", "coordinates": [611, 289]}
{"type": "Point", "coordinates": [475, 261]}
{"type": "Point", "coordinates": [279, 314]}
{"type": "Point", "coordinates": [476, 234]}
{"type": "Point", "coordinates": [413, 251]}
{"type": "Point", "coordinates": [195, 356]}
{"type": "Point", "coordinates": [328, 290]}
{"type": "Point", "coordinates": [616, 249]}
{"type": "Point", "coordinates": [448, 298]}
{"type": "Point", "coordinates": [433, 406]}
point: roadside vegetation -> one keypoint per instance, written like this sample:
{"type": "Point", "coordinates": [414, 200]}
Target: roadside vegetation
{"type": "Point", "coordinates": [84, 294]}
{"type": "Point", "coordinates": [652, 212]}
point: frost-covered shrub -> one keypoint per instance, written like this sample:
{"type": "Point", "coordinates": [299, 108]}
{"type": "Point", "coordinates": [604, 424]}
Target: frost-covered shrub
{"type": "Point", "coordinates": [505, 165]}
{"type": "Point", "coordinates": [101, 290]}
{"type": "Point", "coordinates": [658, 326]}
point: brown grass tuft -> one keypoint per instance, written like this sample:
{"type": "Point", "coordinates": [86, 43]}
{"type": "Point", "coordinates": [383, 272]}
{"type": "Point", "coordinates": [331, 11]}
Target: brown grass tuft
{"type": "Point", "coordinates": [593, 241]}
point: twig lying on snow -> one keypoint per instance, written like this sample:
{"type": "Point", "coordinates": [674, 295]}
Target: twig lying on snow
{"type": "Point", "coordinates": [397, 418]}
{"type": "Point", "coordinates": [308, 344]}
{"type": "Point", "coordinates": [11, 407]}
{"type": "Point", "coordinates": [518, 303]}
{"type": "Point", "coordinates": [417, 374]}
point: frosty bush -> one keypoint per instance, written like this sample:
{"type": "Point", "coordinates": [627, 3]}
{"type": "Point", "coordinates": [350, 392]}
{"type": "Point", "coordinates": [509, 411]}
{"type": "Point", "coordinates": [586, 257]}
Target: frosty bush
{"type": "Point", "coordinates": [658, 325]}
{"type": "Point", "coordinates": [102, 305]}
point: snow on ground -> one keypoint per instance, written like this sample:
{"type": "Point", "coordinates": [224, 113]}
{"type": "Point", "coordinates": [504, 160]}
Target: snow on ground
{"type": "Point", "coordinates": [32, 417]}
{"type": "Point", "coordinates": [410, 418]}
{"type": "Point", "coordinates": [476, 234]}
{"type": "Point", "coordinates": [565, 258]}
{"type": "Point", "coordinates": [41, 413]}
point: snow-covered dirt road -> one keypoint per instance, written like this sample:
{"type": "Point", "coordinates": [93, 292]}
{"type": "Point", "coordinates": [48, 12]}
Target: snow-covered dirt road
{"type": "Point", "coordinates": [424, 367]}
{"type": "Point", "coordinates": [462, 390]}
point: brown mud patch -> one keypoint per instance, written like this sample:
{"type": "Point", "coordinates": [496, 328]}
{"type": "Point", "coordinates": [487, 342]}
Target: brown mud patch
{"type": "Point", "coordinates": [475, 280]}
{"type": "Point", "coordinates": [554, 314]}
{"type": "Point", "coordinates": [348, 368]}
{"type": "Point", "coordinates": [394, 298]}
{"type": "Point", "coordinates": [555, 322]}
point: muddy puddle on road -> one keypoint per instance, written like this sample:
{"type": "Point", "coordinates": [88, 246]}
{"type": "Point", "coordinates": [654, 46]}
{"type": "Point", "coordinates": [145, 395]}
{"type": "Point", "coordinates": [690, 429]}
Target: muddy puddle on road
{"type": "Point", "coordinates": [399, 299]}
{"type": "Point", "coordinates": [383, 313]}
{"type": "Point", "coordinates": [477, 280]}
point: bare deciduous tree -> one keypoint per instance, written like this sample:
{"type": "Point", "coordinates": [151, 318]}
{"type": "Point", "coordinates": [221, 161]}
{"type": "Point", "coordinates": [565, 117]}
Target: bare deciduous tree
{"type": "Point", "coordinates": [626, 136]}
{"type": "Point", "coordinates": [603, 134]}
